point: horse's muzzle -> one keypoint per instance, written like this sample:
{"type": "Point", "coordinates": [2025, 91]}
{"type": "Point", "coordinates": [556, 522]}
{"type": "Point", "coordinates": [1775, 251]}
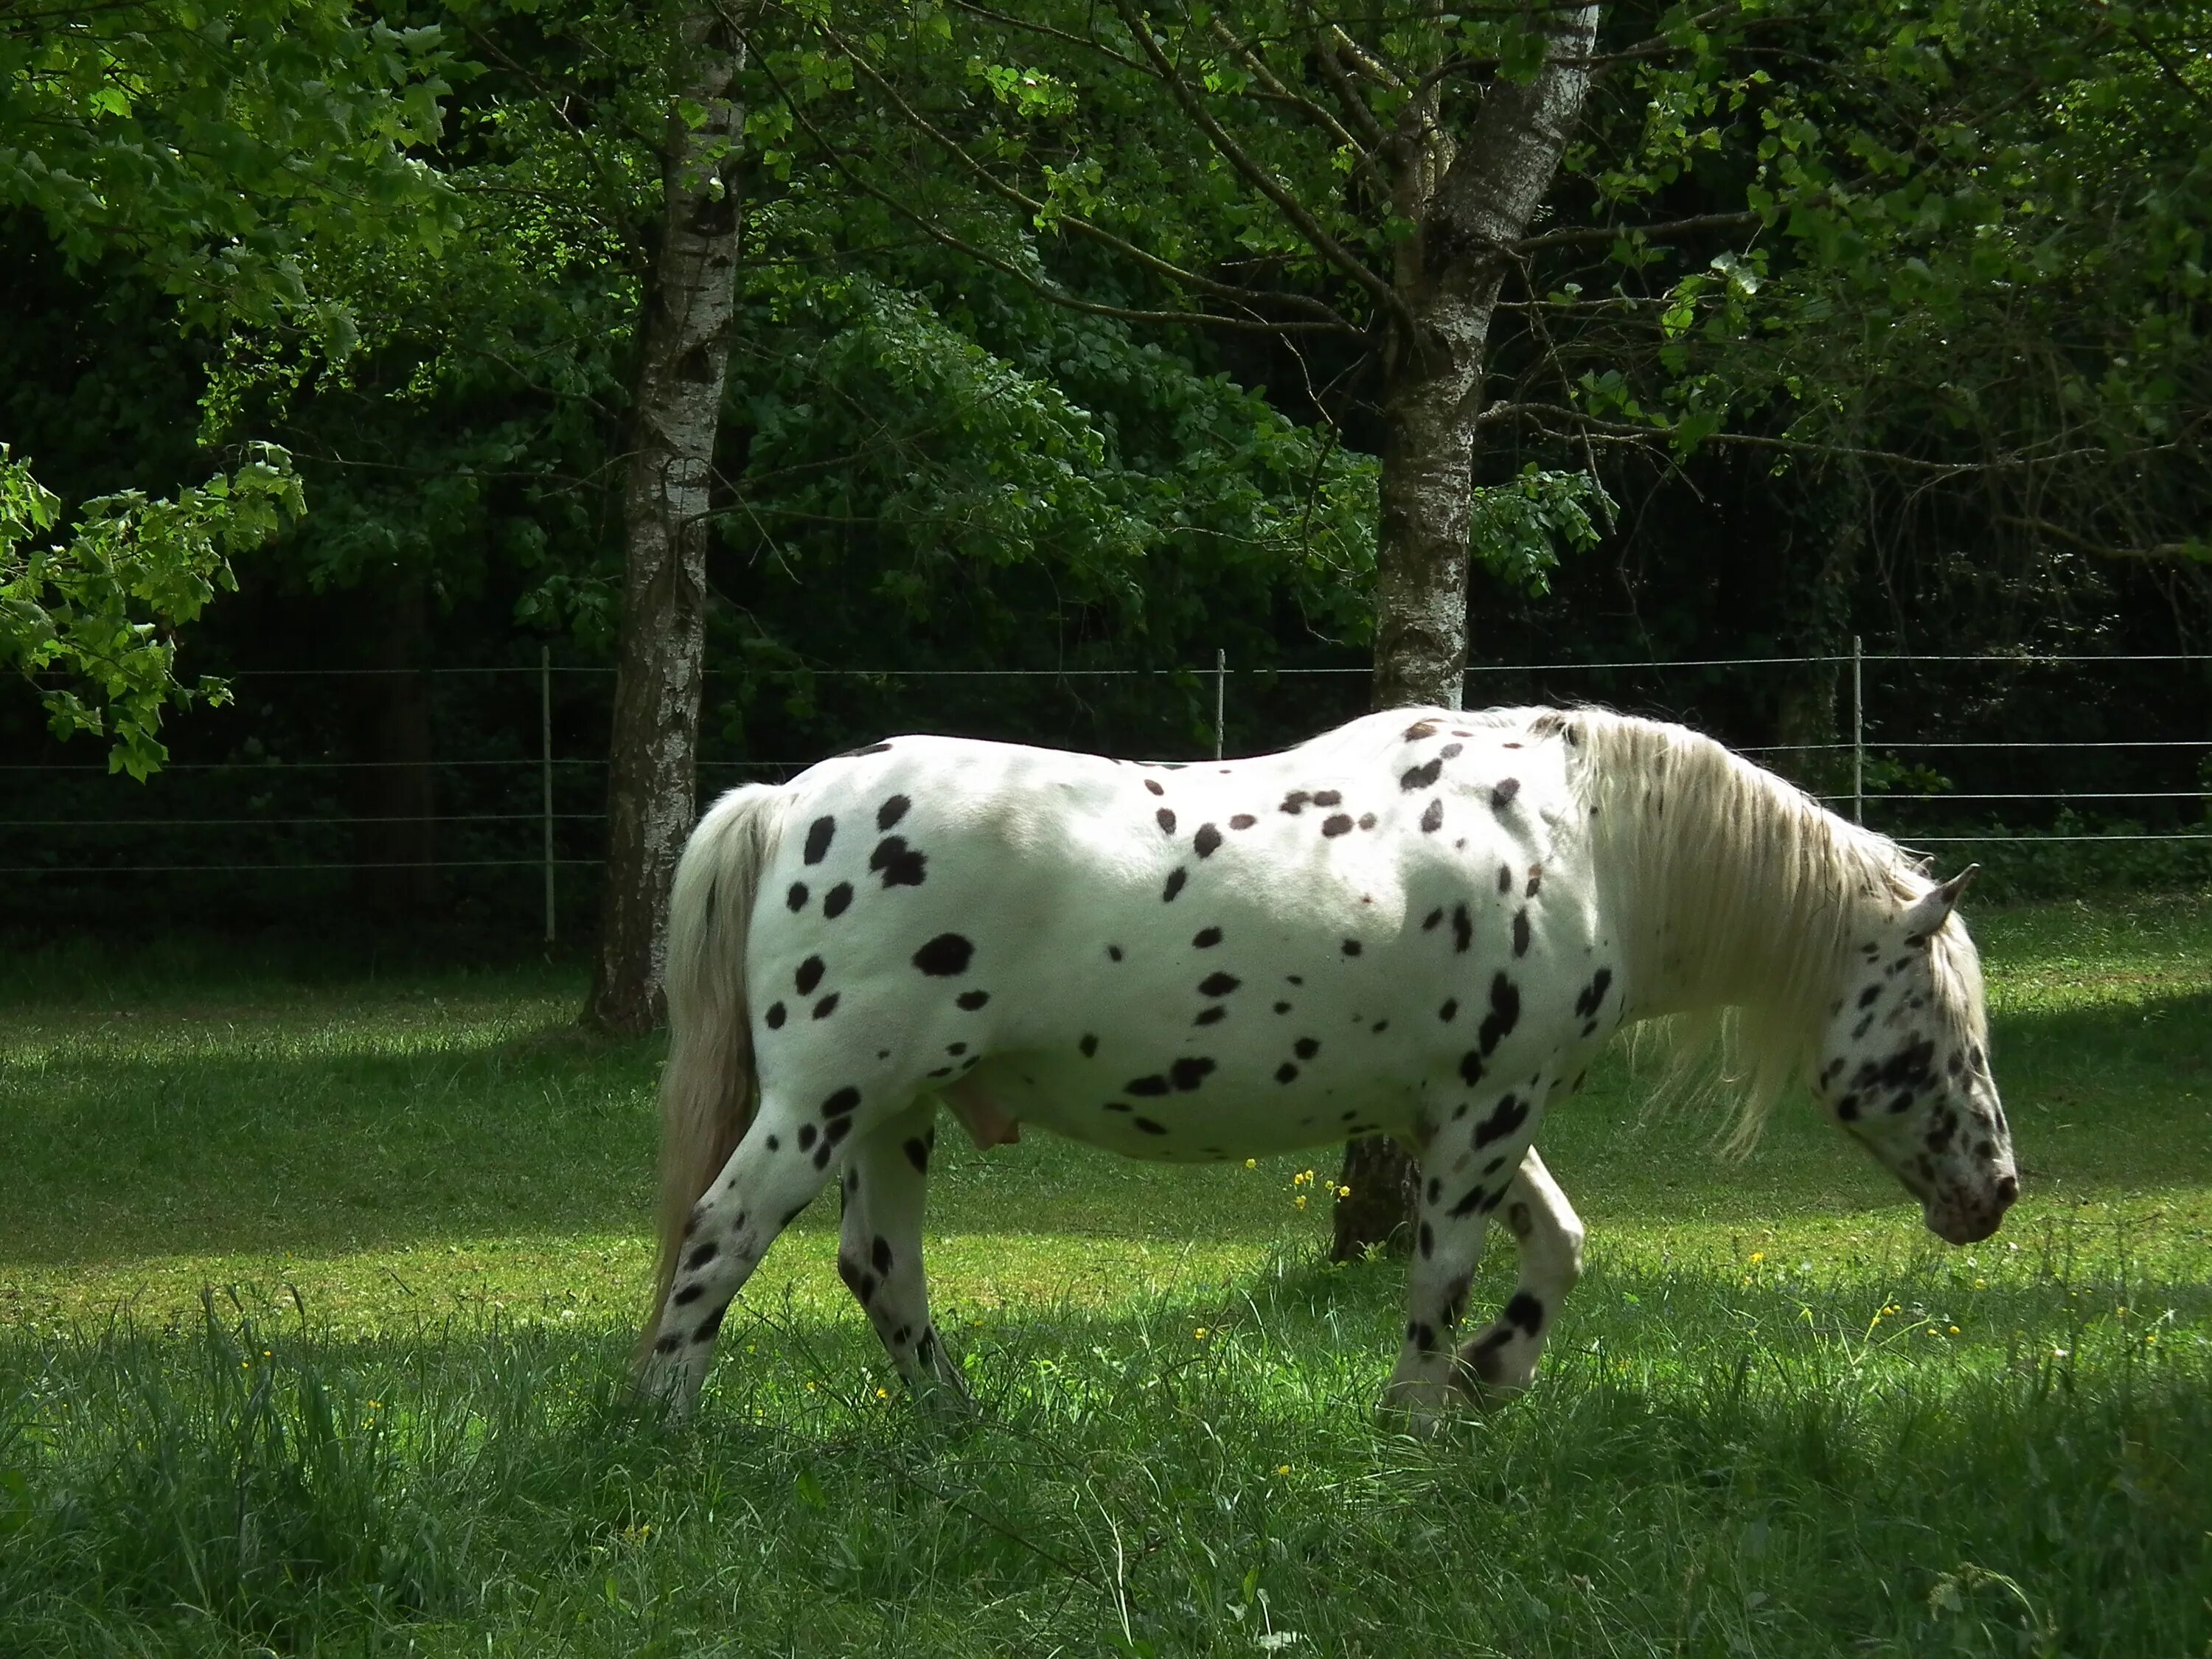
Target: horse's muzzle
{"type": "Point", "coordinates": [1972, 1223]}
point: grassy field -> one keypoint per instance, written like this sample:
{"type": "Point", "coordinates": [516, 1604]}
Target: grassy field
{"type": "Point", "coordinates": [314, 1294]}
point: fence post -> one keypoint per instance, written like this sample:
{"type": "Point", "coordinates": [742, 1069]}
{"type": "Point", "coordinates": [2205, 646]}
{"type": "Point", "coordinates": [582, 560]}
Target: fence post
{"type": "Point", "coordinates": [1220, 680]}
{"type": "Point", "coordinates": [1858, 732]}
{"type": "Point", "coordinates": [545, 770]}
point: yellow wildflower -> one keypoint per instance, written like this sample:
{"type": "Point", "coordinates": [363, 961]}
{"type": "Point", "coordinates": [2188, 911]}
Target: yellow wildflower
{"type": "Point", "coordinates": [1758, 1256]}
{"type": "Point", "coordinates": [1199, 1335]}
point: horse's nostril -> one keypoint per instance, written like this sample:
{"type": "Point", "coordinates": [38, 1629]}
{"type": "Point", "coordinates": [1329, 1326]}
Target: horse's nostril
{"type": "Point", "coordinates": [2008, 1189]}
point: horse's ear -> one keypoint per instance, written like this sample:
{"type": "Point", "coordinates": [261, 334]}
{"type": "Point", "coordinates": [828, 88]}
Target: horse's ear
{"type": "Point", "coordinates": [1932, 909]}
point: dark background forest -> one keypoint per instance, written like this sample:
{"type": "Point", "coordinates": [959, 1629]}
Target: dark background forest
{"type": "Point", "coordinates": [1919, 362]}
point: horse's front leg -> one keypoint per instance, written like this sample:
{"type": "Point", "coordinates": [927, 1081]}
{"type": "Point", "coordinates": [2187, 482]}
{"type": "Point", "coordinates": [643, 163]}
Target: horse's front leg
{"type": "Point", "coordinates": [1501, 1361]}
{"type": "Point", "coordinates": [1466, 1170]}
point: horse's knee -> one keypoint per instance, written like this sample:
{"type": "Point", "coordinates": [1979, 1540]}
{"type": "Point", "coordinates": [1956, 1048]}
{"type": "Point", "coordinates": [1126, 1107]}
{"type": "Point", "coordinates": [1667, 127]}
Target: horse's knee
{"type": "Point", "coordinates": [1570, 1255]}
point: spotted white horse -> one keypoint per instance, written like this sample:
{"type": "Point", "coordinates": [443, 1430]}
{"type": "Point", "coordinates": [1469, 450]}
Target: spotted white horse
{"type": "Point", "coordinates": [1424, 924]}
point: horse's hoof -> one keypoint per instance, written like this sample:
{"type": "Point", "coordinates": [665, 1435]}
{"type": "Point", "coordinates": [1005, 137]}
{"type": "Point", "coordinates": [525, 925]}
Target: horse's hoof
{"type": "Point", "coordinates": [1496, 1368]}
{"type": "Point", "coordinates": [1419, 1407]}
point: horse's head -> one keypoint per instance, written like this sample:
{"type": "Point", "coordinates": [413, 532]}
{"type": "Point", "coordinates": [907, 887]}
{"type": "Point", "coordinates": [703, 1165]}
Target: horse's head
{"type": "Point", "coordinates": [1904, 1067]}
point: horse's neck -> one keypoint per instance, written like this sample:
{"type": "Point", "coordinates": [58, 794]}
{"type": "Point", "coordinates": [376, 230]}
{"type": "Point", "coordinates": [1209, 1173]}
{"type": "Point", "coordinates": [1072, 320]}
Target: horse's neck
{"type": "Point", "coordinates": [1709, 917]}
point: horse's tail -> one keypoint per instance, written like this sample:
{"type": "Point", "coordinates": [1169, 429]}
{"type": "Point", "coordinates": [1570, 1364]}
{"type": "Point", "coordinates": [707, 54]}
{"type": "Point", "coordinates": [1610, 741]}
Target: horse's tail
{"type": "Point", "coordinates": [706, 1087]}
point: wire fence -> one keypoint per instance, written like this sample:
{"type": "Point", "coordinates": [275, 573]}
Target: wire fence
{"type": "Point", "coordinates": [1886, 786]}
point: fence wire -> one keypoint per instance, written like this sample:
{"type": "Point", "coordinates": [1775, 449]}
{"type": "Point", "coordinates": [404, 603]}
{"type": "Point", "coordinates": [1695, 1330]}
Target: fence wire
{"type": "Point", "coordinates": [541, 765]}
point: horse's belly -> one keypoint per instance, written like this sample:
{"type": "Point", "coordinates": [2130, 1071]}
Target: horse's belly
{"type": "Point", "coordinates": [1188, 1110]}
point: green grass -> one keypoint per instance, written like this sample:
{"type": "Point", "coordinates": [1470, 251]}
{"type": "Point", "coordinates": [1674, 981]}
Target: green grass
{"type": "Point", "coordinates": [314, 1294]}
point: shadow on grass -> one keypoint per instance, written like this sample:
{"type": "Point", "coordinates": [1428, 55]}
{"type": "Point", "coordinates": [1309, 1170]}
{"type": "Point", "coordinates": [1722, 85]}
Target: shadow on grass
{"type": "Point", "coordinates": [405, 1119]}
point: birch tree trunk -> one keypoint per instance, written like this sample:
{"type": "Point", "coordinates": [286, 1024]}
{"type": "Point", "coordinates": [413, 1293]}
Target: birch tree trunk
{"type": "Point", "coordinates": [1470, 207]}
{"type": "Point", "coordinates": [683, 352]}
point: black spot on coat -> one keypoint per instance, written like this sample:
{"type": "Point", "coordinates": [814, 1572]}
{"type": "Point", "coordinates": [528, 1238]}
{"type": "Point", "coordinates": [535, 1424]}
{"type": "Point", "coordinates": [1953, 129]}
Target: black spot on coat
{"type": "Point", "coordinates": [945, 955]}
{"type": "Point", "coordinates": [1206, 839]}
{"type": "Point", "coordinates": [1593, 995]}
{"type": "Point", "coordinates": [834, 900]}
{"type": "Point", "coordinates": [891, 811]}
{"type": "Point", "coordinates": [1510, 1114]}
{"type": "Point", "coordinates": [901, 865]}
{"type": "Point", "coordinates": [809, 974]}
{"type": "Point", "coordinates": [1504, 1011]}
{"type": "Point", "coordinates": [818, 834]}
{"type": "Point", "coordinates": [1189, 1071]}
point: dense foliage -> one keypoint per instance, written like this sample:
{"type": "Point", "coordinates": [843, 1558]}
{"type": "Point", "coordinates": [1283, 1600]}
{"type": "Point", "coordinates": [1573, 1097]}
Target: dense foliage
{"type": "Point", "coordinates": [1879, 320]}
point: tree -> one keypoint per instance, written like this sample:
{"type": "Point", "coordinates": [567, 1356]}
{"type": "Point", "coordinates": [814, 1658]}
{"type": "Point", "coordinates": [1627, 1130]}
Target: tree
{"type": "Point", "coordinates": [209, 149]}
{"type": "Point", "coordinates": [99, 604]}
{"type": "Point", "coordinates": [683, 349]}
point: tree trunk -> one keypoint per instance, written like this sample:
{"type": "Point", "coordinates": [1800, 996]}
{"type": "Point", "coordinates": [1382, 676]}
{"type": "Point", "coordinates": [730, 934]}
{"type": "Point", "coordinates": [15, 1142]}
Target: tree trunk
{"type": "Point", "coordinates": [683, 352]}
{"type": "Point", "coordinates": [1448, 276]}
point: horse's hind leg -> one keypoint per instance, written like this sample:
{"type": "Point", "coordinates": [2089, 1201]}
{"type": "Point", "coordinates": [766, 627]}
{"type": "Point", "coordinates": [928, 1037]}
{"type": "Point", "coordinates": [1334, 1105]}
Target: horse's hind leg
{"type": "Point", "coordinates": [880, 1247]}
{"type": "Point", "coordinates": [777, 1169]}
{"type": "Point", "coordinates": [1502, 1359]}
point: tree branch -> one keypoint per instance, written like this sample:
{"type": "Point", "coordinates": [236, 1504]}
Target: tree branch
{"type": "Point", "coordinates": [1044, 290]}
{"type": "Point", "coordinates": [1579, 421]}
{"type": "Point", "coordinates": [1587, 234]}
{"type": "Point", "coordinates": [1189, 279]}
{"type": "Point", "coordinates": [2158, 551]}
{"type": "Point", "coordinates": [1259, 178]}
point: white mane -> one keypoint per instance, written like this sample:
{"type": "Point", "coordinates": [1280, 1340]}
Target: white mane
{"type": "Point", "coordinates": [1738, 899]}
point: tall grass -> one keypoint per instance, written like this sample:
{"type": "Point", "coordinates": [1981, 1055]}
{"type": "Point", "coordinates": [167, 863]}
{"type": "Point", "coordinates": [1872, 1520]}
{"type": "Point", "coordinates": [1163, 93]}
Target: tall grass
{"type": "Point", "coordinates": [1774, 1460]}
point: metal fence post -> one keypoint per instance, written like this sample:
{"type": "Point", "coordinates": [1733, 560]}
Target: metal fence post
{"type": "Point", "coordinates": [1858, 732]}
{"type": "Point", "coordinates": [545, 770]}
{"type": "Point", "coordinates": [1220, 681]}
